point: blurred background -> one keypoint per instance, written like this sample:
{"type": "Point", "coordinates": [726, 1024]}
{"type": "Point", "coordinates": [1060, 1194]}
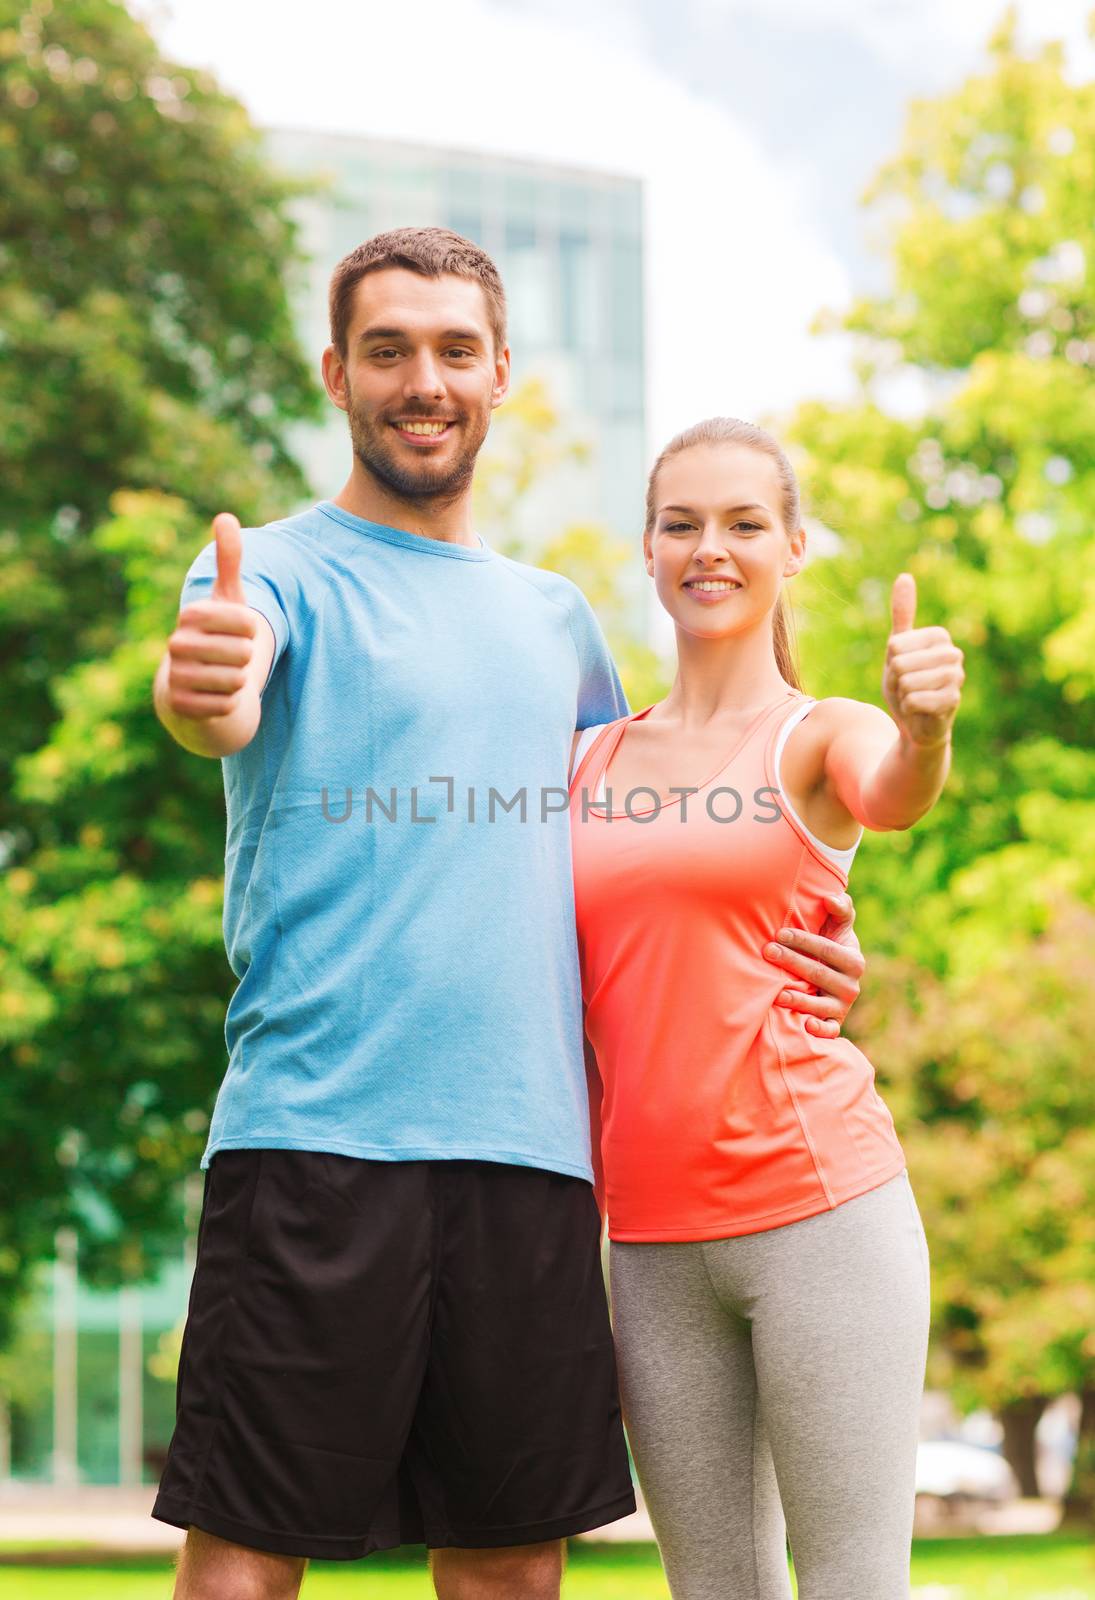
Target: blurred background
{"type": "Point", "coordinates": [867, 223]}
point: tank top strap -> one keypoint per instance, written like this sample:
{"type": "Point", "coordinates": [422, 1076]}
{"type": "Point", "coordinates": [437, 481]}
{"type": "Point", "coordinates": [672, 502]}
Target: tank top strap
{"type": "Point", "coordinates": [786, 712]}
{"type": "Point", "coordinates": [599, 753]}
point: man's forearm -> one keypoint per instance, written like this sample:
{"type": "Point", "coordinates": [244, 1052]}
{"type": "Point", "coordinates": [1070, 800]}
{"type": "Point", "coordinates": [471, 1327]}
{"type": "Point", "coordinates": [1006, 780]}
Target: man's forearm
{"type": "Point", "coordinates": [208, 736]}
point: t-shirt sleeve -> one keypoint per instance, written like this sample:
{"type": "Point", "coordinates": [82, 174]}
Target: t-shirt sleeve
{"type": "Point", "coordinates": [261, 587]}
{"type": "Point", "coordinates": [601, 696]}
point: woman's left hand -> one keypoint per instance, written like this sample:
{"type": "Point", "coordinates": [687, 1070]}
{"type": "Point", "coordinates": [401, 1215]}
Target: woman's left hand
{"type": "Point", "coordinates": [923, 676]}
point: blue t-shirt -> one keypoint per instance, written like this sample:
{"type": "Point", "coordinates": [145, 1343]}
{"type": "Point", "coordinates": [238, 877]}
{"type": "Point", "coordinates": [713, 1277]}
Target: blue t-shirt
{"type": "Point", "coordinates": [400, 922]}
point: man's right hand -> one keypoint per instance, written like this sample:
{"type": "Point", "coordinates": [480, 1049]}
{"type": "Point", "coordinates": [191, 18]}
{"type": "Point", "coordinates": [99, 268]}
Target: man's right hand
{"type": "Point", "coordinates": [217, 660]}
{"type": "Point", "coordinates": [214, 640]}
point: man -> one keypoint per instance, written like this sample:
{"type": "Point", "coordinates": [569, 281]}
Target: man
{"type": "Point", "coordinates": [397, 1328]}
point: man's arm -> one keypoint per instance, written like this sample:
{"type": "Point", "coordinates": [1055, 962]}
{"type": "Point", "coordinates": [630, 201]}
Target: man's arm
{"type": "Point", "coordinates": [831, 960]}
{"type": "Point", "coordinates": [595, 1090]}
{"type": "Point", "coordinates": [208, 685]}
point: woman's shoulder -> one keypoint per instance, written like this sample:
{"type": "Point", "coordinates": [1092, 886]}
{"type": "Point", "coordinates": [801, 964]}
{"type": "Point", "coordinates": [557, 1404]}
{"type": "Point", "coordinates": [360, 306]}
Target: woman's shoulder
{"type": "Point", "coordinates": [837, 714]}
{"type": "Point", "coordinates": [809, 742]}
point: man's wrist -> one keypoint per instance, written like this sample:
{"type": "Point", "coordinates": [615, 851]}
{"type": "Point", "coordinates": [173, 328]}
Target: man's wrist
{"type": "Point", "coordinates": [211, 737]}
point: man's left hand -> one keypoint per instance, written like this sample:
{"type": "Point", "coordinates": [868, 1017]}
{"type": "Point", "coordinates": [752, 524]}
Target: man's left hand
{"type": "Point", "coordinates": [830, 960]}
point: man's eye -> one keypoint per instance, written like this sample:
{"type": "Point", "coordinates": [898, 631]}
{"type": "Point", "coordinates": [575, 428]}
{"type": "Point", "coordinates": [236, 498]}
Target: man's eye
{"type": "Point", "coordinates": [387, 351]}
{"type": "Point", "coordinates": [457, 352]}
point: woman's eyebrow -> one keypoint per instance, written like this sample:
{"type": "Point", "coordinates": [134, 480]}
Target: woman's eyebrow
{"type": "Point", "coordinates": [688, 511]}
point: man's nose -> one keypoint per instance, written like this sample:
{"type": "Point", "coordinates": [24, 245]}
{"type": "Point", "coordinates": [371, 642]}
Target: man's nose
{"type": "Point", "coordinates": [424, 378]}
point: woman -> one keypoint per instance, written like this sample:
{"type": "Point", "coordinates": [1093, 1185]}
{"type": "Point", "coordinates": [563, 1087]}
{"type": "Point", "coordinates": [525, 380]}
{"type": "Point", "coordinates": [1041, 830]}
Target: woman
{"type": "Point", "coordinates": [768, 1266]}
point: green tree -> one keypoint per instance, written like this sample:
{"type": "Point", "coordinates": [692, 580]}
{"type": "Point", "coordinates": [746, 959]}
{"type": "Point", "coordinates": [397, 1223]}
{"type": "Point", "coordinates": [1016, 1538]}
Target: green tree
{"type": "Point", "coordinates": [528, 443]}
{"type": "Point", "coordinates": [147, 338]}
{"type": "Point", "coordinates": [988, 497]}
{"type": "Point", "coordinates": [146, 344]}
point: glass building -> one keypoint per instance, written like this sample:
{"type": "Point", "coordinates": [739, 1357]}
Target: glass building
{"type": "Point", "coordinates": [569, 245]}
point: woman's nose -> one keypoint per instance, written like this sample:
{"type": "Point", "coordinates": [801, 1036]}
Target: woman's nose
{"type": "Point", "coordinates": [712, 547]}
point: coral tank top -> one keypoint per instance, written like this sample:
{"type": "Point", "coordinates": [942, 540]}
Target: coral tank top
{"type": "Point", "coordinates": [721, 1115]}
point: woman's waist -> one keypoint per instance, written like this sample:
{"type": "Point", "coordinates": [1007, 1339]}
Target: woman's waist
{"type": "Point", "coordinates": [718, 1077]}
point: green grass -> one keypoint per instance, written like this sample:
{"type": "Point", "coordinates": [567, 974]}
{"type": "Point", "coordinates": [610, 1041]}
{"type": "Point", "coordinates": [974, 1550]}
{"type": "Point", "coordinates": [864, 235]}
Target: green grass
{"type": "Point", "coordinates": [1050, 1567]}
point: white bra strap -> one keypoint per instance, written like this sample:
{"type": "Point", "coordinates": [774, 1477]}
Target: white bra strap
{"type": "Point", "coordinates": [587, 737]}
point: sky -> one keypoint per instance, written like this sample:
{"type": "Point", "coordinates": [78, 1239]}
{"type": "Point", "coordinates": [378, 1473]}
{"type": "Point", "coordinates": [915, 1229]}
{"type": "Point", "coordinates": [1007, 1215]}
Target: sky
{"type": "Point", "coordinates": [755, 125]}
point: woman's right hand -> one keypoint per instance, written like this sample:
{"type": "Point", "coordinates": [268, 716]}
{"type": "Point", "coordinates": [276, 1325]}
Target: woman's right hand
{"type": "Point", "coordinates": [923, 676]}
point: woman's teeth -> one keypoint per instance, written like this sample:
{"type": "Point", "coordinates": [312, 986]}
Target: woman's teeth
{"type": "Point", "coordinates": [714, 586]}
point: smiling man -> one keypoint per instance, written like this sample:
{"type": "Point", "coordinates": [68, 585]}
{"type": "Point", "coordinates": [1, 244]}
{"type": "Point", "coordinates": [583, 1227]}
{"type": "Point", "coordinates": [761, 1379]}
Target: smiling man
{"type": "Point", "coordinates": [397, 1327]}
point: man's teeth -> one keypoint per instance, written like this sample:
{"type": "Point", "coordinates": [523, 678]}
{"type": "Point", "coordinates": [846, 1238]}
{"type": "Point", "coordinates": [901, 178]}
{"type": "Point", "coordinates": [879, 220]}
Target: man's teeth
{"type": "Point", "coordinates": [715, 585]}
{"type": "Point", "coordinates": [423, 427]}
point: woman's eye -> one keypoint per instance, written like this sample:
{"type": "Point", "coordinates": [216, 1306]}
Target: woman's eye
{"type": "Point", "coordinates": [678, 527]}
{"type": "Point", "coordinates": [750, 527]}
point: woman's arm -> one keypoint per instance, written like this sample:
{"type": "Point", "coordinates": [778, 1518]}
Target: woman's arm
{"type": "Point", "coordinates": [888, 774]}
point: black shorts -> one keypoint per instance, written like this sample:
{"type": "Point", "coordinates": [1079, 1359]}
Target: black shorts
{"type": "Point", "coordinates": [382, 1353]}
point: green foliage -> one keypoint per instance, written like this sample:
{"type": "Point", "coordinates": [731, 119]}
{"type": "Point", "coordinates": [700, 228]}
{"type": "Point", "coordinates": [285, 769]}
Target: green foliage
{"type": "Point", "coordinates": [979, 1015]}
{"type": "Point", "coordinates": [145, 332]}
{"type": "Point", "coordinates": [111, 1027]}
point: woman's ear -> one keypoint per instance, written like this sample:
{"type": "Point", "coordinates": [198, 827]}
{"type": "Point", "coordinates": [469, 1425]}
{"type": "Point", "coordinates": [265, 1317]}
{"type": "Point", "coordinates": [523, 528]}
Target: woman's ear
{"type": "Point", "coordinates": [796, 556]}
{"type": "Point", "coordinates": [648, 553]}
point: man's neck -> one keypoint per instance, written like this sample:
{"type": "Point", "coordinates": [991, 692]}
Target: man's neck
{"type": "Point", "coordinates": [446, 519]}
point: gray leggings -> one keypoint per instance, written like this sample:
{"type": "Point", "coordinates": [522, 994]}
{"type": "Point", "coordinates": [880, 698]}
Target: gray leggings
{"type": "Point", "coordinates": [778, 1375]}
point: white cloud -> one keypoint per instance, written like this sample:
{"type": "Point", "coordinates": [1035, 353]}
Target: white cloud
{"type": "Point", "coordinates": [935, 38]}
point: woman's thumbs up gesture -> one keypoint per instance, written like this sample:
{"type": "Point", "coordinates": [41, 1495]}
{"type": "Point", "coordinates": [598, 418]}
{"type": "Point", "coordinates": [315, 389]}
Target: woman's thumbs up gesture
{"type": "Point", "coordinates": [923, 676]}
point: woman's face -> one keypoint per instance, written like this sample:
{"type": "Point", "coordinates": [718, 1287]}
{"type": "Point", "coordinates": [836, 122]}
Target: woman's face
{"type": "Point", "coordinates": [718, 550]}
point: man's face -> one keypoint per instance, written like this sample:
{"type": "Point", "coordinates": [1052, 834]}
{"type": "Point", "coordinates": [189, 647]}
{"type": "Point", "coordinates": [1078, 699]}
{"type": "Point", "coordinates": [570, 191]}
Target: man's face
{"type": "Point", "coordinates": [419, 380]}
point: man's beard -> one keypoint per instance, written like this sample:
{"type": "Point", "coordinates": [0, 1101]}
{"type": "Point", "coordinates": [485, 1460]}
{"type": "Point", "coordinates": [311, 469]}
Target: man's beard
{"type": "Point", "coordinates": [374, 448]}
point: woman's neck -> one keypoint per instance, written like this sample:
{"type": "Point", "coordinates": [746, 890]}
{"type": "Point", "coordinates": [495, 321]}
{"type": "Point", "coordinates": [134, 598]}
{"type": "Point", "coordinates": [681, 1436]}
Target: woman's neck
{"type": "Point", "coordinates": [719, 678]}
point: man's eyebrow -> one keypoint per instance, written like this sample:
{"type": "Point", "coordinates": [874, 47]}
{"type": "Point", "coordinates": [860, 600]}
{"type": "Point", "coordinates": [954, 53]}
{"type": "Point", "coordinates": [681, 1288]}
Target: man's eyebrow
{"type": "Point", "coordinates": [751, 505]}
{"type": "Point", "coordinates": [451, 335]}
{"type": "Point", "coordinates": [381, 333]}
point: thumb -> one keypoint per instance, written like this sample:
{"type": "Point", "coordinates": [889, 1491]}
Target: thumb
{"type": "Point", "coordinates": [903, 603]}
{"type": "Point", "coordinates": [227, 584]}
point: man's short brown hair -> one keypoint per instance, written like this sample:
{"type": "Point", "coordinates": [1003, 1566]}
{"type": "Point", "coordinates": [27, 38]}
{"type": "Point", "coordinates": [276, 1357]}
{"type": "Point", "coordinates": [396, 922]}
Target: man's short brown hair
{"type": "Point", "coordinates": [430, 251]}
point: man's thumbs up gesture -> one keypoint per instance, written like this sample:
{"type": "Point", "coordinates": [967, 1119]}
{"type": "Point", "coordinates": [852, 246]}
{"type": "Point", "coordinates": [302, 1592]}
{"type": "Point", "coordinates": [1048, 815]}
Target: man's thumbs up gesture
{"type": "Point", "coordinates": [213, 642]}
{"type": "Point", "coordinates": [923, 676]}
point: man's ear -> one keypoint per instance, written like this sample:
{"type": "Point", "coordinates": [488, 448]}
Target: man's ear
{"type": "Point", "coordinates": [501, 378]}
{"type": "Point", "coordinates": [334, 378]}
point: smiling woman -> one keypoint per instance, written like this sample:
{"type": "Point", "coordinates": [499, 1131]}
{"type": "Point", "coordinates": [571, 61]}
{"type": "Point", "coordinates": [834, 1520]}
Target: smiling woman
{"type": "Point", "coordinates": [784, 506]}
{"type": "Point", "coordinates": [761, 1218]}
